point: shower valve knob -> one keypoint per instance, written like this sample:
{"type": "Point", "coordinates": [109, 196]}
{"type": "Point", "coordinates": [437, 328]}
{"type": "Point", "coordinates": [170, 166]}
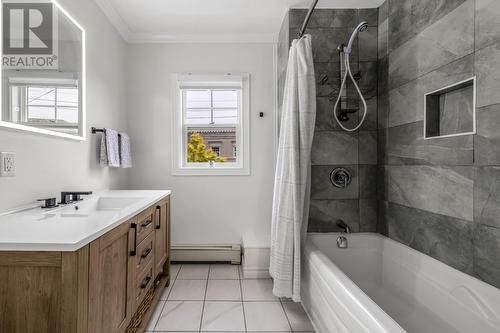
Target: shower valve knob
{"type": "Point", "coordinates": [340, 177]}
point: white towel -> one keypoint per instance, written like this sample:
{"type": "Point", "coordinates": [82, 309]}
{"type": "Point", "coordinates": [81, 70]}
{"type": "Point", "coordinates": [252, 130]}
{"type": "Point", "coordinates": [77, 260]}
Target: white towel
{"type": "Point", "coordinates": [125, 157]}
{"type": "Point", "coordinates": [110, 153]}
{"type": "Point", "coordinates": [291, 183]}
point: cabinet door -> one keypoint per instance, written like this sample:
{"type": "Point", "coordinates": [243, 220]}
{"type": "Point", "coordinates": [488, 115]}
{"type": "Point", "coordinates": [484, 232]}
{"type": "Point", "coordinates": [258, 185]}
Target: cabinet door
{"type": "Point", "coordinates": [162, 233]}
{"type": "Point", "coordinates": [111, 280]}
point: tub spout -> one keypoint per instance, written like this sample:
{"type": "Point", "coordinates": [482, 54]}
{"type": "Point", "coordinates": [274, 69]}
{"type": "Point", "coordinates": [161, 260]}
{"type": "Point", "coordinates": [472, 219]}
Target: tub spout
{"type": "Point", "coordinates": [342, 225]}
{"type": "Point", "coordinates": [341, 242]}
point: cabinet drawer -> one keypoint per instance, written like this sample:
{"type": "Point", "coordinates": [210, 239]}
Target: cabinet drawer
{"type": "Point", "coordinates": [145, 253]}
{"type": "Point", "coordinates": [144, 281]}
{"type": "Point", "coordinates": [145, 224]}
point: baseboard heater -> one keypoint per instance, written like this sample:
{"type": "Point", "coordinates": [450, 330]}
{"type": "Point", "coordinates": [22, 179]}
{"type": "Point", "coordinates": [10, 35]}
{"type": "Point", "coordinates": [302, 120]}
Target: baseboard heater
{"type": "Point", "coordinates": [207, 253]}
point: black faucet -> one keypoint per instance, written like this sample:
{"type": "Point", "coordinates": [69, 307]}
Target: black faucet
{"type": "Point", "coordinates": [69, 197]}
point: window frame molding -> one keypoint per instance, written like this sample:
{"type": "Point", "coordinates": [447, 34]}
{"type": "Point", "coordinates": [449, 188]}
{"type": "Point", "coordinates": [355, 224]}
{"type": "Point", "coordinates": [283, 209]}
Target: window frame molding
{"type": "Point", "coordinates": [210, 82]}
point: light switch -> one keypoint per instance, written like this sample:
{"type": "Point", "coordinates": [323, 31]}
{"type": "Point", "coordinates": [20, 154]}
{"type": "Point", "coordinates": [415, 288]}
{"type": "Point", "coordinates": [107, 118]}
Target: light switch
{"type": "Point", "coordinates": [7, 164]}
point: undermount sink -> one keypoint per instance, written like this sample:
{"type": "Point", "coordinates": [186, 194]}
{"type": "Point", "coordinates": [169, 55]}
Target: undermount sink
{"type": "Point", "coordinates": [115, 203]}
{"type": "Point", "coordinates": [87, 207]}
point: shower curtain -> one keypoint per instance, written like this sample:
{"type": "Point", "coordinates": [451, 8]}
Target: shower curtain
{"type": "Point", "coordinates": [292, 178]}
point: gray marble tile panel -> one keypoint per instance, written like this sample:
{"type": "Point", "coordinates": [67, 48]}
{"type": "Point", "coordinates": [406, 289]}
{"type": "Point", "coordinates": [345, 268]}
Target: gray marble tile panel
{"type": "Point", "coordinates": [382, 209]}
{"type": "Point", "coordinates": [383, 38]}
{"type": "Point", "coordinates": [486, 258]}
{"type": "Point", "coordinates": [325, 42]}
{"type": "Point", "coordinates": [383, 76]}
{"type": "Point", "coordinates": [368, 181]}
{"type": "Point", "coordinates": [487, 22]}
{"type": "Point", "coordinates": [323, 215]}
{"type": "Point", "coordinates": [344, 18]}
{"type": "Point", "coordinates": [488, 75]}
{"type": "Point", "coordinates": [367, 147]}
{"type": "Point", "coordinates": [368, 44]}
{"type": "Point", "coordinates": [428, 50]}
{"type": "Point", "coordinates": [327, 79]}
{"type": "Point", "coordinates": [334, 148]}
{"type": "Point", "coordinates": [456, 111]}
{"type": "Point", "coordinates": [406, 102]}
{"type": "Point", "coordinates": [324, 115]}
{"type": "Point", "coordinates": [382, 110]}
{"type": "Point", "coordinates": [382, 146]}
{"type": "Point", "coordinates": [383, 11]}
{"type": "Point", "coordinates": [406, 145]}
{"type": "Point", "coordinates": [322, 188]}
{"type": "Point", "coordinates": [437, 189]}
{"type": "Point", "coordinates": [487, 196]}
{"type": "Point", "coordinates": [487, 139]}
{"type": "Point", "coordinates": [409, 17]}
{"type": "Point", "coordinates": [370, 15]}
{"type": "Point", "coordinates": [371, 122]}
{"type": "Point", "coordinates": [442, 237]}
{"type": "Point", "coordinates": [368, 82]}
{"type": "Point", "coordinates": [368, 215]}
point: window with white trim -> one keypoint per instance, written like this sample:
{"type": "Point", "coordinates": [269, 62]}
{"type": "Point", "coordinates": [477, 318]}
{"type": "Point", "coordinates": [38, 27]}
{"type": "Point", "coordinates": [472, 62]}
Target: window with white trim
{"type": "Point", "coordinates": [50, 106]}
{"type": "Point", "coordinates": [211, 123]}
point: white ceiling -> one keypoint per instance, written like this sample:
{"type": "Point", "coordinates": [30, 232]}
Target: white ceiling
{"type": "Point", "coordinates": [208, 20]}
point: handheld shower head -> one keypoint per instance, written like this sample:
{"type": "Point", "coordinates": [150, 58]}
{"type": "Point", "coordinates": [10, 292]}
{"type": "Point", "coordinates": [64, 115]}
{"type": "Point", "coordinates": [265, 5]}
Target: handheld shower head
{"type": "Point", "coordinates": [360, 28]}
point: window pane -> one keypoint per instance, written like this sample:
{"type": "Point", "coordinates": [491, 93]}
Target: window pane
{"type": "Point", "coordinates": [225, 98]}
{"type": "Point", "coordinates": [198, 116]}
{"type": "Point", "coordinates": [198, 99]}
{"type": "Point", "coordinates": [68, 115]}
{"type": "Point", "coordinates": [67, 97]}
{"type": "Point", "coordinates": [211, 144]}
{"type": "Point", "coordinates": [41, 96]}
{"type": "Point", "coordinates": [67, 105]}
{"type": "Point", "coordinates": [226, 116]}
{"type": "Point", "coordinates": [39, 113]}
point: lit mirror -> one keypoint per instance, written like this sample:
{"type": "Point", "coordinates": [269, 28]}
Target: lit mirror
{"type": "Point", "coordinates": [43, 69]}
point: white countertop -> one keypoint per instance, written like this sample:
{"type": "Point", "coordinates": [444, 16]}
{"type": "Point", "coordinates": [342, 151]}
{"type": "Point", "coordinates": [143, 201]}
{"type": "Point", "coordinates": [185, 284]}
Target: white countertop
{"type": "Point", "coordinates": [67, 229]}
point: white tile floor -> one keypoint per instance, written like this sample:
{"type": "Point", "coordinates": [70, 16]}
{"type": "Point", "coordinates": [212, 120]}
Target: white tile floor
{"type": "Point", "coordinates": [213, 298]}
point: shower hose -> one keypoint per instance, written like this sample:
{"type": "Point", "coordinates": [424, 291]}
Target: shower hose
{"type": "Point", "coordinates": [344, 81]}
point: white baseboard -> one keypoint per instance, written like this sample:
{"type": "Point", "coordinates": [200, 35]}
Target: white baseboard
{"type": "Point", "coordinates": [256, 263]}
{"type": "Point", "coordinates": [208, 253]}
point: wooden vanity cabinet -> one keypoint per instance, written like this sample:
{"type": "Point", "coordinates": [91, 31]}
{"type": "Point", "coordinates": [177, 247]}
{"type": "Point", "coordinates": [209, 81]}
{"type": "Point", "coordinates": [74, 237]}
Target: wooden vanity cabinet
{"type": "Point", "coordinates": [111, 282]}
{"type": "Point", "coordinates": [107, 286]}
{"type": "Point", "coordinates": [162, 234]}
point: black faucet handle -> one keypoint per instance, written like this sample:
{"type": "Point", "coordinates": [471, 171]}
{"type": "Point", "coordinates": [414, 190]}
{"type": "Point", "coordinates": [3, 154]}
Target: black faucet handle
{"type": "Point", "coordinates": [69, 197]}
{"type": "Point", "coordinates": [49, 202]}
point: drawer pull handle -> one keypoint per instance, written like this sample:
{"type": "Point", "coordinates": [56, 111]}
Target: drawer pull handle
{"type": "Point", "coordinates": [158, 209]}
{"type": "Point", "coordinates": [145, 282]}
{"type": "Point", "coordinates": [134, 249]}
{"type": "Point", "coordinates": [146, 253]}
{"type": "Point", "coordinates": [145, 224]}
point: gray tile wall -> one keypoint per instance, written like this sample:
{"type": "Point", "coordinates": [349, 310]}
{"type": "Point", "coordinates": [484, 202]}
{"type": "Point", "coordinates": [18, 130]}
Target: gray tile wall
{"type": "Point", "coordinates": [440, 196]}
{"type": "Point", "coordinates": [333, 147]}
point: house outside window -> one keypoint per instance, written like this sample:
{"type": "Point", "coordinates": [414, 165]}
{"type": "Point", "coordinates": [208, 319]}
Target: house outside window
{"type": "Point", "coordinates": [211, 122]}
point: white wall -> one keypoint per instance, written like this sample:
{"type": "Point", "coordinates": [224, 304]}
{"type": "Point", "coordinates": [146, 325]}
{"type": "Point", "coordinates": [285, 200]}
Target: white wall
{"type": "Point", "coordinates": [47, 165]}
{"type": "Point", "coordinates": [205, 209]}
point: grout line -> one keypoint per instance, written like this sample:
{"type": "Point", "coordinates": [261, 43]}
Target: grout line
{"type": "Point", "coordinates": [204, 298]}
{"type": "Point", "coordinates": [242, 303]}
{"type": "Point", "coordinates": [172, 281]}
{"type": "Point", "coordinates": [286, 315]}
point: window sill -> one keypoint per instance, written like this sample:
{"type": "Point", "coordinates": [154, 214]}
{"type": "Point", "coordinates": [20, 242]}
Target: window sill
{"type": "Point", "coordinates": [211, 172]}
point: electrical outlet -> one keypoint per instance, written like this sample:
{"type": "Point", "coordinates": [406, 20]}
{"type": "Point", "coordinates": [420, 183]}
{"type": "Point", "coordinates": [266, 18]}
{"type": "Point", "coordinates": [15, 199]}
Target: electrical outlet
{"type": "Point", "coordinates": [7, 164]}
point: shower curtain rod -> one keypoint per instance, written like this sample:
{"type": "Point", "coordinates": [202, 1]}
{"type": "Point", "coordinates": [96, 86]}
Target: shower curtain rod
{"type": "Point", "coordinates": [308, 17]}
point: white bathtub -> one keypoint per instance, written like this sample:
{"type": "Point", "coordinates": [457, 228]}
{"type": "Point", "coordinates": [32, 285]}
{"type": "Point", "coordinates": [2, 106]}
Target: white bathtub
{"type": "Point", "coordinates": [379, 285]}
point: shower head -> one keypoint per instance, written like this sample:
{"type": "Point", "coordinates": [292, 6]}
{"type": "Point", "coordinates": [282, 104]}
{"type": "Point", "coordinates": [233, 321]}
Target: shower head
{"type": "Point", "coordinates": [360, 28]}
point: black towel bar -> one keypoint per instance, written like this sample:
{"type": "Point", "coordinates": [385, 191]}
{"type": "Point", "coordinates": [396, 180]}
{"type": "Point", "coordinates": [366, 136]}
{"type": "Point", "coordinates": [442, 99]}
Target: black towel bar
{"type": "Point", "coordinates": [98, 130]}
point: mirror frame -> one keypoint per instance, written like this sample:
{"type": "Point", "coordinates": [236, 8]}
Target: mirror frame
{"type": "Point", "coordinates": [82, 136]}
